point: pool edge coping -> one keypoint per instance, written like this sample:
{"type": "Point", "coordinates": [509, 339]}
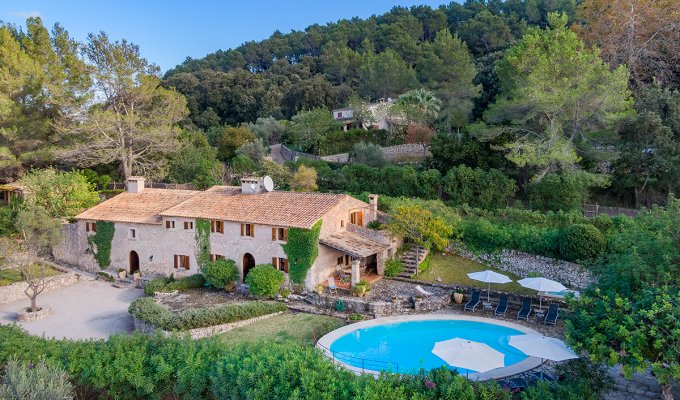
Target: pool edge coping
{"type": "Point", "coordinates": [527, 364]}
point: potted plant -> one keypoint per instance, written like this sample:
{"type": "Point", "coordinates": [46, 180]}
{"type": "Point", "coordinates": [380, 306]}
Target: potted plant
{"type": "Point", "coordinates": [458, 295]}
{"type": "Point", "coordinates": [359, 290]}
{"type": "Point", "coordinates": [122, 274]}
{"type": "Point", "coordinates": [319, 289]}
{"type": "Point", "coordinates": [355, 317]}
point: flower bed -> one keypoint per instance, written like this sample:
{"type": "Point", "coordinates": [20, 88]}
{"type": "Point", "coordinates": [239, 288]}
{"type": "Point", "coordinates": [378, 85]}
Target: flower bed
{"type": "Point", "coordinates": [149, 311]}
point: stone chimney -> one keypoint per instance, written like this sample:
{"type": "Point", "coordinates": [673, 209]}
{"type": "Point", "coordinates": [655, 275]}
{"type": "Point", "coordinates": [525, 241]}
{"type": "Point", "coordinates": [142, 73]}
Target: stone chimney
{"type": "Point", "coordinates": [373, 206]}
{"type": "Point", "coordinates": [252, 185]}
{"type": "Point", "coordinates": [135, 184]}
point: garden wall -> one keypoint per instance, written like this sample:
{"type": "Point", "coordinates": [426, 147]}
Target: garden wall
{"type": "Point", "coordinates": [15, 292]}
{"type": "Point", "coordinates": [379, 309]}
{"type": "Point", "coordinates": [523, 265]}
{"type": "Point", "coordinates": [198, 333]}
{"type": "Point", "coordinates": [390, 153]}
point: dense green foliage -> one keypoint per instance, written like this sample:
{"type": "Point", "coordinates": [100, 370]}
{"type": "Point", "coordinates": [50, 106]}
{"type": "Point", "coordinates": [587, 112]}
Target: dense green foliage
{"type": "Point", "coordinates": [301, 250]}
{"type": "Point", "coordinates": [566, 191]}
{"type": "Point", "coordinates": [8, 216]}
{"type": "Point", "coordinates": [23, 380]}
{"type": "Point", "coordinates": [393, 267]}
{"type": "Point", "coordinates": [169, 284]}
{"type": "Point", "coordinates": [265, 280]}
{"type": "Point", "coordinates": [630, 316]}
{"type": "Point", "coordinates": [220, 273]}
{"type": "Point", "coordinates": [478, 188]}
{"type": "Point", "coordinates": [202, 237]}
{"type": "Point", "coordinates": [62, 194]}
{"type": "Point", "coordinates": [581, 242]}
{"type": "Point", "coordinates": [100, 243]}
{"type": "Point", "coordinates": [150, 311]}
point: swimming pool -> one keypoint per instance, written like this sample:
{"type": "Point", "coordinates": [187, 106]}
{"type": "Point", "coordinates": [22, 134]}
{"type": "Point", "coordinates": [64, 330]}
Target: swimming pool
{"type": "Point", "coordinates": [404, 344]}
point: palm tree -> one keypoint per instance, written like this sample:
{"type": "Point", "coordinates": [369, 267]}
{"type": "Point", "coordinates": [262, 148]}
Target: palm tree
{"type": "Point", "coordinates": [420, 106]}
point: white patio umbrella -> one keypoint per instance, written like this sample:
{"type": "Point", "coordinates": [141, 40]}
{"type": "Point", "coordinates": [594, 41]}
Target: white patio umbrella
{"type": "Point", "coordinates": [542, 285]}
{"type": "Point", "coordinates": [545, 347]}
{"type": "Point", "coordinates": [489, 277]}
{"type": "Point", "coordinates": [463, 353]}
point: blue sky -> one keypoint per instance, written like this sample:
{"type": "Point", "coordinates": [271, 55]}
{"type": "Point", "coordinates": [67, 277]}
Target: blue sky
{"type": "Point", "coordinates": [169, 31]}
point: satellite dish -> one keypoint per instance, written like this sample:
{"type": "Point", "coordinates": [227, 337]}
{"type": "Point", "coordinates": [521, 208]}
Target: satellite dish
{"type": "Point", "coordinates": [268, 183]}
{"type": "Point", "coordinates": [253, 186]}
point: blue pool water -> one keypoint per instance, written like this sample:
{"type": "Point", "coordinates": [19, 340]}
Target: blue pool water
{"type": "Point", "coordinates": [407, 346]}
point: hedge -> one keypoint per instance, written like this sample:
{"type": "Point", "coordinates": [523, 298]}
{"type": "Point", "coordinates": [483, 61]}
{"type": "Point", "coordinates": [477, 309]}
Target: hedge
{"type": "Point", "coordinates": [154, 367]}
{"type": "Point", "coordinates": [148, 310]}
{"type": "Point", "coordinates": [169, 284]}
{"type": "Point", "coordinates": [581, 243]}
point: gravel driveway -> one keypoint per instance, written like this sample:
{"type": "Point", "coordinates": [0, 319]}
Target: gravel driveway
{"type": "Point", "coordinates": [87, 309]}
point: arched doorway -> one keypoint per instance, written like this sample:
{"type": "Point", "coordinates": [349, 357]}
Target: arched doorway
{"type": "Point", "coordinates": [248, 264]}
{"type": "Point", "coordinates": [134, 262]}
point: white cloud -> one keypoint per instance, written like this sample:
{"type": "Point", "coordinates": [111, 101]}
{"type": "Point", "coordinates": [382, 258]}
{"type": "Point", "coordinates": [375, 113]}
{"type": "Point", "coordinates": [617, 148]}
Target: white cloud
{"type": "Point", "coordinates": [25, 14]}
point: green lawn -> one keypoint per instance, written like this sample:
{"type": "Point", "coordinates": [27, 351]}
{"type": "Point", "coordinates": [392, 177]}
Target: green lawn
{"type": "Point", "coordinates": [303, 329]}
{"type": "Point", "coordinates": [12, 275]}
{"type": "Point", "coordinates": [454, 269]}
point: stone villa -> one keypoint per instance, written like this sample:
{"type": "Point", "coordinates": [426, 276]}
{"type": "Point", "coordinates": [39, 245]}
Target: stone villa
{"type": "Point", "coordinates": [154, 230]}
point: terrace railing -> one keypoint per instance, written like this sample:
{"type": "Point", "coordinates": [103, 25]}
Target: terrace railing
{"type": "Point", "coordinates": [364, 364]}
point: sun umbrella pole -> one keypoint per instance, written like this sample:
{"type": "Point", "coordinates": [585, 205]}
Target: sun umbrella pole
{"type": "Point", "coordinates": [488, 294]}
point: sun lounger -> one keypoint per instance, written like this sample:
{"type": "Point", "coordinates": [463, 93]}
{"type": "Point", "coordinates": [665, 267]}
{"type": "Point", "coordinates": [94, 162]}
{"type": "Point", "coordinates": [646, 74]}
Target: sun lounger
{"type": "Point", "coordinates": [513, 384]}
{"type": "Point", "coordinates": [525, 310]}
{"type": "Point", "coordinates": [423, 291]}
{"type": "Point", "coordinates": [502, 305]}
{"type": "Point", "coordinates": [331, 286]}
{"type": "Point", "coordinates": [542, 376]}
{"type": "Point", "coordinates": [474, 301]}
{"type": "Point", "coordinates": [552, 314]}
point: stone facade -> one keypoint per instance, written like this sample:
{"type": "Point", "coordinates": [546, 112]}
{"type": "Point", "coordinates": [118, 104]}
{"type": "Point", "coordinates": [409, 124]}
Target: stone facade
{"type": "Point", "coordinates": [15, 291]}
{"type": "Point", "coordinates": [198, 333]}
{"type": "Point", "coordinates": [155, 246]}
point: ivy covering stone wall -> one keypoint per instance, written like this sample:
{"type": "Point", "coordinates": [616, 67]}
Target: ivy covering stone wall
{"type": "Point", "coordinates": [301, 250]}
{"type": "Point", "coordinates": [202, 242]}
{"type": "Point", "coordinates": [100, 243]}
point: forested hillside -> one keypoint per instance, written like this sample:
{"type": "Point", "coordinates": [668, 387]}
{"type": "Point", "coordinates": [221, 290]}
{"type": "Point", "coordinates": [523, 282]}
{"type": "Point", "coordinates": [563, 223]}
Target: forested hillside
{"type": "Point", "coordinates": [577, 95]}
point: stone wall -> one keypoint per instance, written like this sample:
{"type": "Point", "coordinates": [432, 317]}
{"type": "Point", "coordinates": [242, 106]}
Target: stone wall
{"type": "Point", "coordinates": [198, 333]}
{"type": "Point", "coordinates": [524, 264]}
{"type": "Point", "coordinates": [379, 308]}
{"type": "Point", "coordinates": [390, 153]}
{"type": "Point", "coordinates": [15, 292]}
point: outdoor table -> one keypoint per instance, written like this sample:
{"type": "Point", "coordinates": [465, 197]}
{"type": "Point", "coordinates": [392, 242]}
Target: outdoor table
{"type": "Point", "coordinates": [487, 305]}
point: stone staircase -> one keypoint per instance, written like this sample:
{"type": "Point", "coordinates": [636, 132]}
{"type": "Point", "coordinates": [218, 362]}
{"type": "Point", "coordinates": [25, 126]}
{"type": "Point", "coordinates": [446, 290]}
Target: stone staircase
{"type": "Point", "coordinates": [410, 262]}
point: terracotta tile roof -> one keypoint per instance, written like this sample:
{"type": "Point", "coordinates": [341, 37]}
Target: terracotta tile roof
{"type": "Point", "coordinates": [287, 209]}
{"type": "Point", "coordinates": [352, 244]}
{"type": "Point", "coordinates": [143, 208]}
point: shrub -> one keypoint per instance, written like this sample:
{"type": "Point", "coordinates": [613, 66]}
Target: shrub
{"type": "Point", "coordinates": [393, 267]}
{"type": "Point", "coordinates": [375, 225]}
{"type": "Point", "coordinates": [142, 366]}
{"type": "Point", "coordinates": [169, 284]}
{"type": "Point", "coordinates": [147, 309]}
{"type": "Point", "coordinates": [566, 191]}
{"type": "Point", "coordinates": [481, 234]}
{"type": "Point", "coordinates": [581, 242]}
{"type": "Point", "coordinates": [26, 381]}
{"type": "Point", "coordinates": [8, 216]}
{"type": "Point", "coordinates": [265, 280]}
{"type": "Point", "coordinates": [478, 188]}
{"type": "Point", "coordinates": [221, 272]}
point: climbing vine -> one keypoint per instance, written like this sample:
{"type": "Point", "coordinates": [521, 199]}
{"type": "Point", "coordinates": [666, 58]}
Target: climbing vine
{"type": "Point", "coordinates": [102, 243]}
{"type": "Point", "coordinates": [202, 242]}
{"type": "Point", "coordinates": [302, 249]}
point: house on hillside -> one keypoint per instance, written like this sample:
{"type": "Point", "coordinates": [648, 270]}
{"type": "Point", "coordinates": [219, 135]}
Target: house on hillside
{"type": "Point", "coordinates": [155, 231]}
{"type": "Point", "coordinates": [9, 191]}
{"type": "Point", "coordinates": [379, 115]}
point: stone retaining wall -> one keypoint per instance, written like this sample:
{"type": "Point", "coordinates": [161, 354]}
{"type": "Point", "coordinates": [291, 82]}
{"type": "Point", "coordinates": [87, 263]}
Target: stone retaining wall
{"type": "Point", "coordinates": [390, 153]}
{"type": "Point", "coordinates": [15, 291]}
{"type": "Point", "coordinates": [524, 264]}
{"type": "Point", "coordinates": [198, 333]}
{"type": "Point", "coordinates": [379, 309]}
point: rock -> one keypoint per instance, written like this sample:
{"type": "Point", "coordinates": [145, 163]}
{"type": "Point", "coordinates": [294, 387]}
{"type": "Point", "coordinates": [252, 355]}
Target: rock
{"type": "Point", "coordinates": [438, 279]}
